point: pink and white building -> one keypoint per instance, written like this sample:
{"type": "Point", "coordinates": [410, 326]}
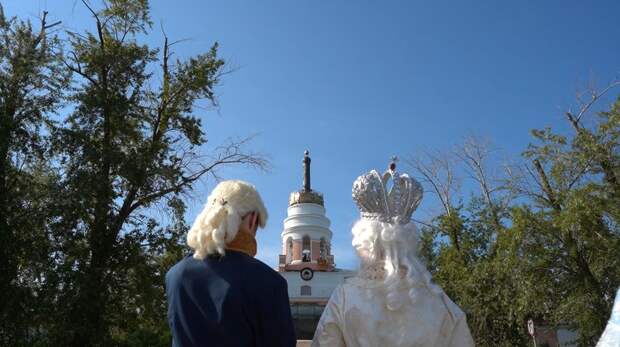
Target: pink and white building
{"type": "Point", "coordinates": [306, 261]}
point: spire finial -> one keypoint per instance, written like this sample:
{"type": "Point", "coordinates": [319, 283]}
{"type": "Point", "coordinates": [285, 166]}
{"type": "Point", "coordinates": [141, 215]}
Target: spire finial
{"type": "Point", "coordinates": [306, 162]}
{"type": "Point", "coordinates": [393, 163]}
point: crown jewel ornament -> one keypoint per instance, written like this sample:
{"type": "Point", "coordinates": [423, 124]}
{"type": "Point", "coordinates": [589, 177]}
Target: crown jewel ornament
{"type": "Point", "coordinates": [376, 202]}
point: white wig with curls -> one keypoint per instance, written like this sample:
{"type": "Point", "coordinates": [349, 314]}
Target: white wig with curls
{"type": "Point", "coordinates": [388, 253]}
{"type": "Point", "coordinates": [219, 221]}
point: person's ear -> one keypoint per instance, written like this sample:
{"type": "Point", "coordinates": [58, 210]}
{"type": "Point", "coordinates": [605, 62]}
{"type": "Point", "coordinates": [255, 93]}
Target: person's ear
{"type": "Point", "coordinates": [254, 220]}
{"type": "Point", "coordinates": [246, 221]}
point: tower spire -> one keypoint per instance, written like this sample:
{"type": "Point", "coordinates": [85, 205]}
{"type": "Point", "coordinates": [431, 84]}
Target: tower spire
{"type": "Point", "coordinates": [306, 161]}
{"type": "Point", "coordinates": [306, 194]}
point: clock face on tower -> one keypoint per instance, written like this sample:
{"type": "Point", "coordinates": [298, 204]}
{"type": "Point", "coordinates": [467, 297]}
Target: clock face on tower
{"type": "Point", "coordinates": [306, 274]}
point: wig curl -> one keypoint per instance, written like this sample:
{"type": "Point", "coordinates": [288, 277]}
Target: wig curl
{"type": "Point", "coordinates": [393, 249]}
{"type": "Point", "coordinates": [219, 221]}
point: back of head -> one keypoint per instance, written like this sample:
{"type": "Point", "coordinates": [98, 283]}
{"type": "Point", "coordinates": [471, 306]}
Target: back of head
{"type": "Point", "coordinates": [388, 253]}
{"type": "Point", "coordinates": [219, 221]}
{"type": "Point", "coordinates": [386, 240]}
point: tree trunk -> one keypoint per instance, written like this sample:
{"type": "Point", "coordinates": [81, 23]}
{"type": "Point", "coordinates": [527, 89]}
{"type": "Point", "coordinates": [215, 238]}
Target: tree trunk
{"type": "Point", "coordinates": [92, 301]}
{"type": "Point", "coordinates": [7, 261]}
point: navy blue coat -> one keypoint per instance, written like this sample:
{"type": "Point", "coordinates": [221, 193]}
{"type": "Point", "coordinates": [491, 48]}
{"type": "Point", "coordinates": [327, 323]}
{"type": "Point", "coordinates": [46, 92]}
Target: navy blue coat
{"type": "Point", "coordinates": [231, 300]}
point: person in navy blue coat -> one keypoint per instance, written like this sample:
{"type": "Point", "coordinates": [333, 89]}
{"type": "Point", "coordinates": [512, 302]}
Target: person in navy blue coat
{"type": "Point", "coordinates": [222, 295]}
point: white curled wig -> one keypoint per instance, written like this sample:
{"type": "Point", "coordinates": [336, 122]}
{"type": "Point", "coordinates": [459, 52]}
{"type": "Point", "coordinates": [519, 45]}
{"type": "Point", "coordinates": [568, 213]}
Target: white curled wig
{"type": "Point", "coordinates": [392, 250]}
{"type": "Point", "coordinates": [219, 221]}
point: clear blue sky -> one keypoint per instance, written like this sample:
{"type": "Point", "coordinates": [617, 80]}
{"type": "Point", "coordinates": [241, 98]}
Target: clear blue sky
{"type": "Point", "coordinates": [358, 81]}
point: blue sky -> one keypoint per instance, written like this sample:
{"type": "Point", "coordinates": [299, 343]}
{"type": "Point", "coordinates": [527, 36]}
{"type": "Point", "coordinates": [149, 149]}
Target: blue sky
{"type": "Point", "coordinates": [356, 82]}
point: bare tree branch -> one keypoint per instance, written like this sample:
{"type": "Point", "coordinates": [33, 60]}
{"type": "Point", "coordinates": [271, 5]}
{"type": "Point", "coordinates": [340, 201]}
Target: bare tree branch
{"type": "Point", "coordinates": [585, 107]}
{"type": "Point", "coordinates": [546, 185]}
{"type": "Point", "coordinates": [438, 171]}
{"type": "Point", "coordinates": [228, 154]}
{"type": "Point", "coordinates": [475, 153]}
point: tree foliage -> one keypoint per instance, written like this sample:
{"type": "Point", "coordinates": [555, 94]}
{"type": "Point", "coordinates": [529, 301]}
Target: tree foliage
{"type": "Point", "coordinates": [108, 175]}
{"type": "Point", "coordinates": [540, 240]}
{"type": "Point", "coordinates": [31, 84]}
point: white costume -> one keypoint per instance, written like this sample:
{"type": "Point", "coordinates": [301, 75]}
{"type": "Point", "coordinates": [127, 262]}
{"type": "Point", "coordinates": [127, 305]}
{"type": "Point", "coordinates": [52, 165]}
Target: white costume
{"type": "Point", "coordinates": [392, 301]}
{"type": "Point", "coordinates": [611, 335]}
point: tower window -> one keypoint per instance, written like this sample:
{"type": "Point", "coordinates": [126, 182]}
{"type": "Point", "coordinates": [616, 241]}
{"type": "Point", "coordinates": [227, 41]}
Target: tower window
{"type": "Point", "coordinates": [305, 248]}
{"type": "Point", "coordinates": [306, 290]}
{"type": "Point", "coordinates": [289, 250]}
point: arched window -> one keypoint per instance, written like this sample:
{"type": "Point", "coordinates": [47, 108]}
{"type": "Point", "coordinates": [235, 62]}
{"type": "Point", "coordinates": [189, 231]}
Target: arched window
{"type": "Point", "coordinates": [305, 248]}
{"type": "Point", "coordinates": [323, 248]}
{"type": "Point", "coordinates": [306, 290]}
{"type": "Point", "coordinates": [289, 250]}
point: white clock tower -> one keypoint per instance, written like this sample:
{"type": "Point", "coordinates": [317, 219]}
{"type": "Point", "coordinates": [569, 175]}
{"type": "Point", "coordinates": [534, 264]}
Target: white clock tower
{"type": "Point", "coordinates": [306, 239]}
{"type": "Point", "coordinates": [307, 262]}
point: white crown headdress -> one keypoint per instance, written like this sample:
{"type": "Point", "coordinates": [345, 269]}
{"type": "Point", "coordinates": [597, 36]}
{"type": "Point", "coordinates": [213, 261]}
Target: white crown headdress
{"type": "Point", "coordinates": [376, 202]}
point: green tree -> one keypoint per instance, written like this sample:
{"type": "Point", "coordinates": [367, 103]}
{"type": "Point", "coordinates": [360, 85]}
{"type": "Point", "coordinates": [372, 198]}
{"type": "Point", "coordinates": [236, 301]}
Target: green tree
{"type": "Point", "coordinates": [469, 249]}
{"type": "Point", "coordinates": [571, 234]}
{"type": "Point", "coordinates": [31, 84]}
{"type": "Point", "coordinates": [555, 255]}
{"type": "Point", "coordinates": [131, 147]}
{"type": "Point", "coordinates": [92, 198]}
